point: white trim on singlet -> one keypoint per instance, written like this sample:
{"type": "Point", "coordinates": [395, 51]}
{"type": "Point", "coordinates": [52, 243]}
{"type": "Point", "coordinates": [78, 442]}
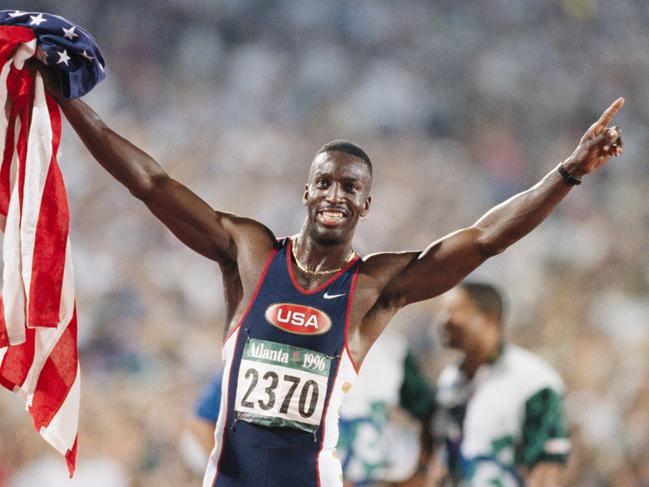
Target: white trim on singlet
{"type": "Point", "coordinates": [228, 351]}
{"type": "Point", "coordinates": [330, 473]}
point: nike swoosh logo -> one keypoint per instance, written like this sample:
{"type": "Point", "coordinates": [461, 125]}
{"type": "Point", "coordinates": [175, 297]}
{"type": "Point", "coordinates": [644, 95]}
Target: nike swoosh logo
{"type": "Point", "coordinates": [332, 296]}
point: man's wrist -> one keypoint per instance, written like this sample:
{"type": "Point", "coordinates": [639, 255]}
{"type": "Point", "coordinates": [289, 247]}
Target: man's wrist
{"type": "Point", "coordinates": [570, 178]}
{"type": "Point", "coordinates": [574, 167]}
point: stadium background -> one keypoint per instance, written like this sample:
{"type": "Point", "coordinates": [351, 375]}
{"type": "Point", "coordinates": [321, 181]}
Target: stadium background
{"type": "Point", "coordinates": [460, 104]}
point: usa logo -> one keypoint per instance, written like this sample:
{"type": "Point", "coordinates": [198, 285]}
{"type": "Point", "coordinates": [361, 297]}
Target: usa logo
{"type": "Point", "coordinates": [298, 319]}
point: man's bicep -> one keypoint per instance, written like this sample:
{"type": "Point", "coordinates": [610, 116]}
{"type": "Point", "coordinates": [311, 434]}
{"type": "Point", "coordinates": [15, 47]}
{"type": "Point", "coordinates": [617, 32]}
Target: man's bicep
{"type": "Point", "coordinates": [181, 203]}
{"type": "Point", "coordinates": [186, 233]}
{"type": "Point", "coordinates": [214, 234]}
{"type": "Point", "coordinates": [435, 270]}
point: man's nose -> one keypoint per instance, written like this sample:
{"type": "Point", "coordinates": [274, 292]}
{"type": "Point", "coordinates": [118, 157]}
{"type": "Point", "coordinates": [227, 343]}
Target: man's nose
{"type": "Point", "coordinates": [334, 193]}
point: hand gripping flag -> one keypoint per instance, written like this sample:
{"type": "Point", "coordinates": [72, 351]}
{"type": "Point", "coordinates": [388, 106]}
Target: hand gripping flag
{"type": "Point", "coordinates": [38, 324]}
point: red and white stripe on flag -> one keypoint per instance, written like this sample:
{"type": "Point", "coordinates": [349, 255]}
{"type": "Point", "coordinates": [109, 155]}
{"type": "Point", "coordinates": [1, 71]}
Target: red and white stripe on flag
{"type": "Point", "coordinates": [38, 323]}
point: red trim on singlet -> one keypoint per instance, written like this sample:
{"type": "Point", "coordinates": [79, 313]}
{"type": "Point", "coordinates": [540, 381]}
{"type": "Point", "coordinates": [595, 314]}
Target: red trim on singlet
{"type": "Point", "coordinates": [254, 295]}
{"type": "Point", "coordinates": [297, 285]}
{"type": "Point", "coordinates": [352, 289]}
{"type": "Point", "coordinates": [236, 343]}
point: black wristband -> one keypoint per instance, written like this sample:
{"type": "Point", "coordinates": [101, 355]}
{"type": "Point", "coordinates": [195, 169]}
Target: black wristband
{"type": "Point", "coordinates": [567, 177]}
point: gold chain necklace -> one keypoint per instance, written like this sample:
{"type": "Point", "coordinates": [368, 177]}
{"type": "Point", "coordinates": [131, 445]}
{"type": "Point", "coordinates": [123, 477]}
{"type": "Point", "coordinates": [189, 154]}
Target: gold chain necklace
{"type": "Point", "coordinates": [317, 273]}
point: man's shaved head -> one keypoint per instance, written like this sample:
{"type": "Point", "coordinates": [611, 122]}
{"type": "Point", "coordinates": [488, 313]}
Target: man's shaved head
{"type": "Point", "coordinates": [349, 148]}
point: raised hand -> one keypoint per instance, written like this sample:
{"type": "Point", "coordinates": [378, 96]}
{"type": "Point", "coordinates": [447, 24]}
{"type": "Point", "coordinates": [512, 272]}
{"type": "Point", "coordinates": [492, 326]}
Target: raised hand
{"type": "Point", "coordinates": [51, 86]}
{"type": "Point", "coordinates": [598, 144]}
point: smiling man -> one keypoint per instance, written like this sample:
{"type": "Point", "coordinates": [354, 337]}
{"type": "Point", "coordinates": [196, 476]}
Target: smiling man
{"type": "Point", "coordinates": [348, 166]}
{"type": "Point", "coordinates": [302, 312]}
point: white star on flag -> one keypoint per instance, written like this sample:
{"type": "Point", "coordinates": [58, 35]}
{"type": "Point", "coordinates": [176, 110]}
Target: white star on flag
{"type": "Point", "coordinates": [17, 13]}
{"type": "Point", "coordinates": [87, 56]}
{"type": "Point", "coordinates": [63, 57]}
{"type": "Point", "coordinates": [37, 19]}
{"type": "Point", "coordinates": [70, 33]}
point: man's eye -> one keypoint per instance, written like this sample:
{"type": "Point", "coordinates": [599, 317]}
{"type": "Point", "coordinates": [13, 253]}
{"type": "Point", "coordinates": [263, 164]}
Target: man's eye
{"type": "Point", "coordinates": [322, 183]}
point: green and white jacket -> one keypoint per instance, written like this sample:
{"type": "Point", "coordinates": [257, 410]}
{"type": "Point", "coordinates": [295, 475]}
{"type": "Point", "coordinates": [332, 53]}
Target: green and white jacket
{"type": "Point", "coordinates": [503, 422]}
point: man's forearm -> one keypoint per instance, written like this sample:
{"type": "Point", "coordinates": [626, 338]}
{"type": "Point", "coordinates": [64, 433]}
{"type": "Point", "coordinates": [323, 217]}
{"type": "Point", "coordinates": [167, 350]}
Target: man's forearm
{"type": "Point", "coordinates": [545, 475]}
{"type": "Point", "coordinates": [516, 217]}
{"type": "Point", "coordinates": [128, 164]}
{"type": "Point", "coordinates": [513, 219]}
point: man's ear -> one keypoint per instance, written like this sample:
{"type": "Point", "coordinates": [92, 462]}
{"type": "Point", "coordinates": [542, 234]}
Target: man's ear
{"type": "Point", "coordinates": [305, 196]}
{"type": "Point", "coordinates": [493, 320]}
{"type": "Point", "coordinates": [366, 206]}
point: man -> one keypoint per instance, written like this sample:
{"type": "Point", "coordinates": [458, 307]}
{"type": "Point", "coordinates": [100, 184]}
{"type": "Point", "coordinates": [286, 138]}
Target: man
{"type": "Point", "coordinates": [295, 338]}
{"type": "Point", "coordinates": [499, 411]}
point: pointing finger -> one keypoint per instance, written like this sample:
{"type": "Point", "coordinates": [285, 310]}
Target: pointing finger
{"type": "Point", "coordinates": [610, 112]}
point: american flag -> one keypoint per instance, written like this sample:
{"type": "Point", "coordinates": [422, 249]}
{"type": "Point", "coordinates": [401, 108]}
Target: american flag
{"type": "Point", "coordinates": [38, 324]}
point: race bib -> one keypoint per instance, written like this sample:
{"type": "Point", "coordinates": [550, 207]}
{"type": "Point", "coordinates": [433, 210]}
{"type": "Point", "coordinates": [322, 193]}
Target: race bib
{"type": "Point", "coordinates": [281, 386]}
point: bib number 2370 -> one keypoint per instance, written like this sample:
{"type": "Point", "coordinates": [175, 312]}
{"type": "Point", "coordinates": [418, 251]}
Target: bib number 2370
{"type": "Point", "coordinates": [281, 386]}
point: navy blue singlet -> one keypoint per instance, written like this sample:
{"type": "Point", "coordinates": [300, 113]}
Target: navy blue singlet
{"type": "Point", "coordinates": [287, 369]}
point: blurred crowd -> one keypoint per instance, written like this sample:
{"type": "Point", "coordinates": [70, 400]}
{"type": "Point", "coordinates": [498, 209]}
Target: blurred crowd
{"type": "Point", "coordinates": [459, 104]}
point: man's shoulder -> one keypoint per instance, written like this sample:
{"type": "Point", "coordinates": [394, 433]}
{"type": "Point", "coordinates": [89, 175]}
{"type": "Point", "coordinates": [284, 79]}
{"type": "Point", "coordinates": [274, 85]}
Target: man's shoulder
{"type": "Point", "coordinates": [529, 370]}
{"type": "Point", "coordinates": [378, 269]}
{"type": "Point", "coordinates": [382, 261]}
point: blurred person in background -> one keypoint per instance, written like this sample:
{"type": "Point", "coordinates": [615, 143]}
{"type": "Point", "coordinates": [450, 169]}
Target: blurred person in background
{"type": "Point", "coordinates": [197, 435]}
{"type": "Point", "coordinates": [384, 434]}
{"type": "Point", "coordinates": [500, 410]}
{"type": "Point", "coordinates": [319, 257]}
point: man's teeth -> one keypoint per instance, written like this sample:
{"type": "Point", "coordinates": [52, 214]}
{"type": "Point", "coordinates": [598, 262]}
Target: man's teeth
{"type": "Point", "coordinates": [333, 214]}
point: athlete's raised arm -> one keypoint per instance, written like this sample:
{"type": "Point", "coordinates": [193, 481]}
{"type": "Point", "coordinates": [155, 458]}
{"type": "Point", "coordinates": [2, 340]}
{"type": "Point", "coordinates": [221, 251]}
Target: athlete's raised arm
{"type": "Point", "coordinates": [443, 264]}
{"type": "Point", "coordinates": [211, 233]}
